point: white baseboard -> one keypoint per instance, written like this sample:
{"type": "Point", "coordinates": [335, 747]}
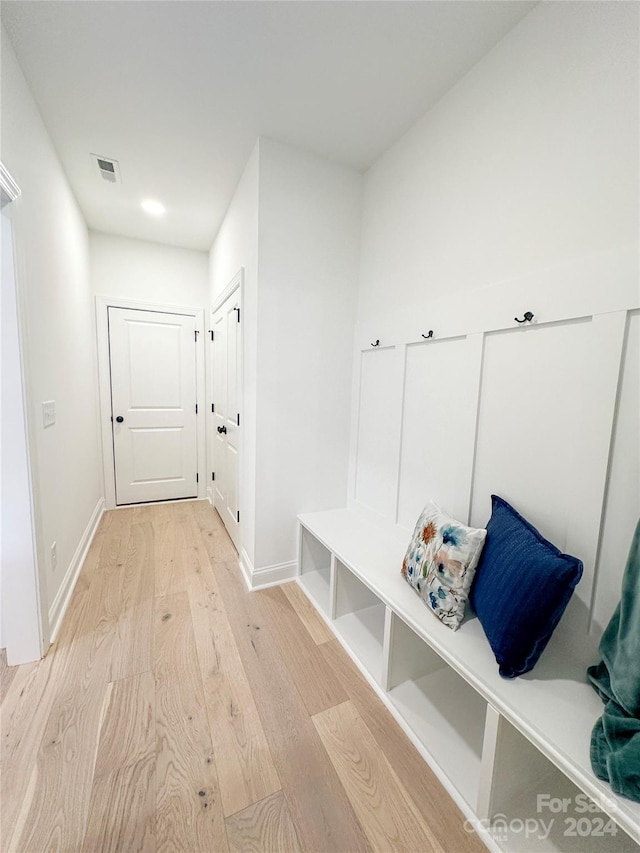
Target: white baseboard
{"type": "Point", "coordinates": [63, 597]}
{"type": "Point", "coordinates": [210, 495]}
{"type": "Point", "coordinates": [268, 575]}
{"type": "Point", "coordinates": [246, 567]}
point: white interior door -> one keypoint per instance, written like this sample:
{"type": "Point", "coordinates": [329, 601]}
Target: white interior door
{"type": "Point", "coordinates": [153, 396]}
{"type": "Point", "coordinates": [226, 413]}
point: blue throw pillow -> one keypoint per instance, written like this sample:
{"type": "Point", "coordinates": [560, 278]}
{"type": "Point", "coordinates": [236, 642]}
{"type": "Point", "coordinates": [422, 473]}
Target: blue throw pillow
{"type": "Point", "coordinates": [521, 588]}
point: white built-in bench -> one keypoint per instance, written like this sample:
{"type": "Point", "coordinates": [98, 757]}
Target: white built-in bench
{"type": "Point", "coordinates": [495, 744]}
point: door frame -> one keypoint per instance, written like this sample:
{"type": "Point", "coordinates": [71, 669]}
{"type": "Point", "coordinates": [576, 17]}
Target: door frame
{"type": "Point", "coordinates": [103, 303]}
{"type": "Point", "coordinates": [236, 284]}
{"type": "Point", "coordinates": [26, 634]}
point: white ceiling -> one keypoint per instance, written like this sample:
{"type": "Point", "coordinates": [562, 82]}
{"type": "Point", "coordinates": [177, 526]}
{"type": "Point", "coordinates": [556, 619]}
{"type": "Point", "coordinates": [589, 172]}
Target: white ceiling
{"type": "Point", "coordinates": [179, 91]}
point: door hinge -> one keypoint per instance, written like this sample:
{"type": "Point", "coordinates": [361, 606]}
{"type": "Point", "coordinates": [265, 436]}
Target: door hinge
{"type": "Point", "coordinates": [238, 418]}
{"type": "Point", "coordinates": [211, 333]}
{"type": "Point", "coordinates": [213, 475]}
{"type": "Point", "coordinates": [238, 516]}
{"type": "Point", "coordinates": [195, 335]}
{"type": "Point", "coordinates": [196, 408]}
{"type": "Point", "coordinates": [197, 478]}
{"type": "Point", "coordinates": [238, 310]}
{"type": "Point", "coordinates": [213, 408]}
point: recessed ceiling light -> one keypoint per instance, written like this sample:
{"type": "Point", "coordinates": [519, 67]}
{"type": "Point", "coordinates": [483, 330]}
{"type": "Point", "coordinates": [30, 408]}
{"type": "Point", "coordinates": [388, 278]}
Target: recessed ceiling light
{"type": "Point", "coordinates": [153, 207]}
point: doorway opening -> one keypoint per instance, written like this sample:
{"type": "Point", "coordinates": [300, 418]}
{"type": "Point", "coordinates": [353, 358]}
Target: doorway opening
{"type": "Point", "coordinates": [151, 366]}
{"type": "Point", "coordinates": [226, 406]}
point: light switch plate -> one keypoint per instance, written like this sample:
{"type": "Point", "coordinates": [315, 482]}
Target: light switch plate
{"type": "Point", "coordinates": [48, 413]}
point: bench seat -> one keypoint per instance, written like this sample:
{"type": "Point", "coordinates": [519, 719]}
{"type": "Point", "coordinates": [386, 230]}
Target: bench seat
{"type": "Point", "coordinates": [553, 707]}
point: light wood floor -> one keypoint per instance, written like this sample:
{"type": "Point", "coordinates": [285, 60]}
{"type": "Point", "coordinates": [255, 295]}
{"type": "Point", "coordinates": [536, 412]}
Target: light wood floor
{"type": "Point", "coordinates": [178, 712]}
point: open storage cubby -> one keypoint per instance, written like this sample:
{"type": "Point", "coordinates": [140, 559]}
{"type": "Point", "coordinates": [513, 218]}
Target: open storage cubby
{"type": "Point", "coordinates": [495, 744]}
{"type": "Point", "coordinates": [359, 620]}
{"type": "Point", "coordinates": [445, 714]}
{"type": "Point", "coordinates": [315, 570]}
{"type": "Point", "coordinates": [535, 808]}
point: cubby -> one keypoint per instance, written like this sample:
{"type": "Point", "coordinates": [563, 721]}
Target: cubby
{"type": "Point", "coordinates": [359, 620]}
{"type": "Point", "coordinates": [535, 808]}
{"type": "Point", "coordinates": [443, 712]}
{"type": "Point", "coordinates": [315, 570]}
{"type": "Point", "coordinates": [496, 744]}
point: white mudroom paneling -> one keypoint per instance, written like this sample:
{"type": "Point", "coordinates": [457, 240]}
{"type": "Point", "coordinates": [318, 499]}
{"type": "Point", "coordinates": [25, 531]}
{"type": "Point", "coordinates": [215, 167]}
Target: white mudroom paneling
{"type": "Point", "coordinates": [378, 441]}
{"type": "Point", "coordinates": [623, 488]}
{"type": "Point", "coordinates": [544, 428]}
{"type": "Point", "coordinates": [437, 428]}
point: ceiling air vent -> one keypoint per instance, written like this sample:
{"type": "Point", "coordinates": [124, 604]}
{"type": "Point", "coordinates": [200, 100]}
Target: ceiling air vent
{"type": "Point", "coordinates": [109, 169]}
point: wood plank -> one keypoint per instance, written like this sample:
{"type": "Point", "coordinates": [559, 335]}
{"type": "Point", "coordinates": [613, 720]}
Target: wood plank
{"type": "Point", "coordinates": [54, 717]}
{"type": "Point", "coordinates": [123, 799]}
{"type": "Point", "coordinates": [303, 658]}
{"type": "Point", "coordinates": [127, 733]}
{"type": "Point", "coordinates": [434, 803]}
{"type": "Point", "coordinates": [323, 817]}
{"type": "Point", "coordinates": [384, 808]}
{"type": "Point", "coordinates": [22, 720]}
{"type": "Point", "coordinates": [106, 586]}
{"type": "Point", "coordinates": [115, 518]}
{"type": "Point", "coordinates": [215, 537]}
{"type": "Point", "coordinates": [169, 553]}
{"type": "Point", "coordinates": [131, 653]}
{"type": "Point", "coordinates": [132, 641]}
{"type": "Point", "coordinates": [245, 768]}
{"type": "Point", "coordinates": [53, 812]}
{"type": "Point", "coordinates": [91, 562]}
{"type": "Point", "coordinates": [7, 674]}
{"type": "Point", "coordinates": [122, 810]}
{"type": "Point", "coordinates": [308, 615]}
{"type": "Point", "coordinates": [25, 711]}
{"type": "Point", "coordinates": [188, 804]}
{"type": "Point", "coordinates": [264, 827]}
{"type": "Point", "coordinates": [137, 573]}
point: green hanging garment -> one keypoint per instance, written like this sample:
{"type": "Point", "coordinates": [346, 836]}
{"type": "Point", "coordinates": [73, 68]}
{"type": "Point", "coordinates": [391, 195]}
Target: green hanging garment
{"type": "Point", "coordinates": [615, 740]}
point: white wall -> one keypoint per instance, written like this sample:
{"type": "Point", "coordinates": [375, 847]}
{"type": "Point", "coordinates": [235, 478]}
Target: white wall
{"type": "Point", "coordinates": [309, 232]}
{"type": "Point", "coordinates": [517, 191]}
{"type": "Point", "coordinates": [52, 249]}
{"type": "Point", "coordinates": [147, 272]}
{"type": "Point", "coordinates": [236, 246]}
{"type": "Point", "coordinates": [294, 226]}
{"type": "Point", "coordinates": [531, 161]}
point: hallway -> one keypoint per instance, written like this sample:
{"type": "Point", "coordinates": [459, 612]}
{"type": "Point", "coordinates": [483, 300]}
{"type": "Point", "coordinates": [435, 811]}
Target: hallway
{"type": "Point", "coordinates": [178, 712]}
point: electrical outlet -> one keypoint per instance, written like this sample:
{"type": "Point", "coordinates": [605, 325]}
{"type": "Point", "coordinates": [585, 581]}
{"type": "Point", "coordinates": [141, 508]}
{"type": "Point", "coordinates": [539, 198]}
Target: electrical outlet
{"type": "Point", "coordinates": [48, 413]}
{"type": "Point", "coordinates": [54, 557]}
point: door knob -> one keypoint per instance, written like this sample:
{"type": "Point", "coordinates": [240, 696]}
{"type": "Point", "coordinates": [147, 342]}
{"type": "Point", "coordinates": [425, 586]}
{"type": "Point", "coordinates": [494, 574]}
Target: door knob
{"type": "Point", "coordinates": [222, 430]}
{"type": "Point", "coordinates": [119, 419]}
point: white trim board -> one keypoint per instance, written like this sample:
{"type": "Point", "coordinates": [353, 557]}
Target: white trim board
{"type": "Point", "coordinates": [236, 282]}
{"type": "Point", "coordinates": [267, 576]}
{"type": "Point", "coordinates": [63, 597]}
{"type": "Point", "coordinates": [30, 638]}
{"type": "Point", "coordinates": [103, 303]}
{"type": "Point", "coordinates": [9, 189]}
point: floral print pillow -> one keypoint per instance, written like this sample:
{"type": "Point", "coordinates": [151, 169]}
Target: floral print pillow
{"type": "Point", "coordinates": [441, 561]}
